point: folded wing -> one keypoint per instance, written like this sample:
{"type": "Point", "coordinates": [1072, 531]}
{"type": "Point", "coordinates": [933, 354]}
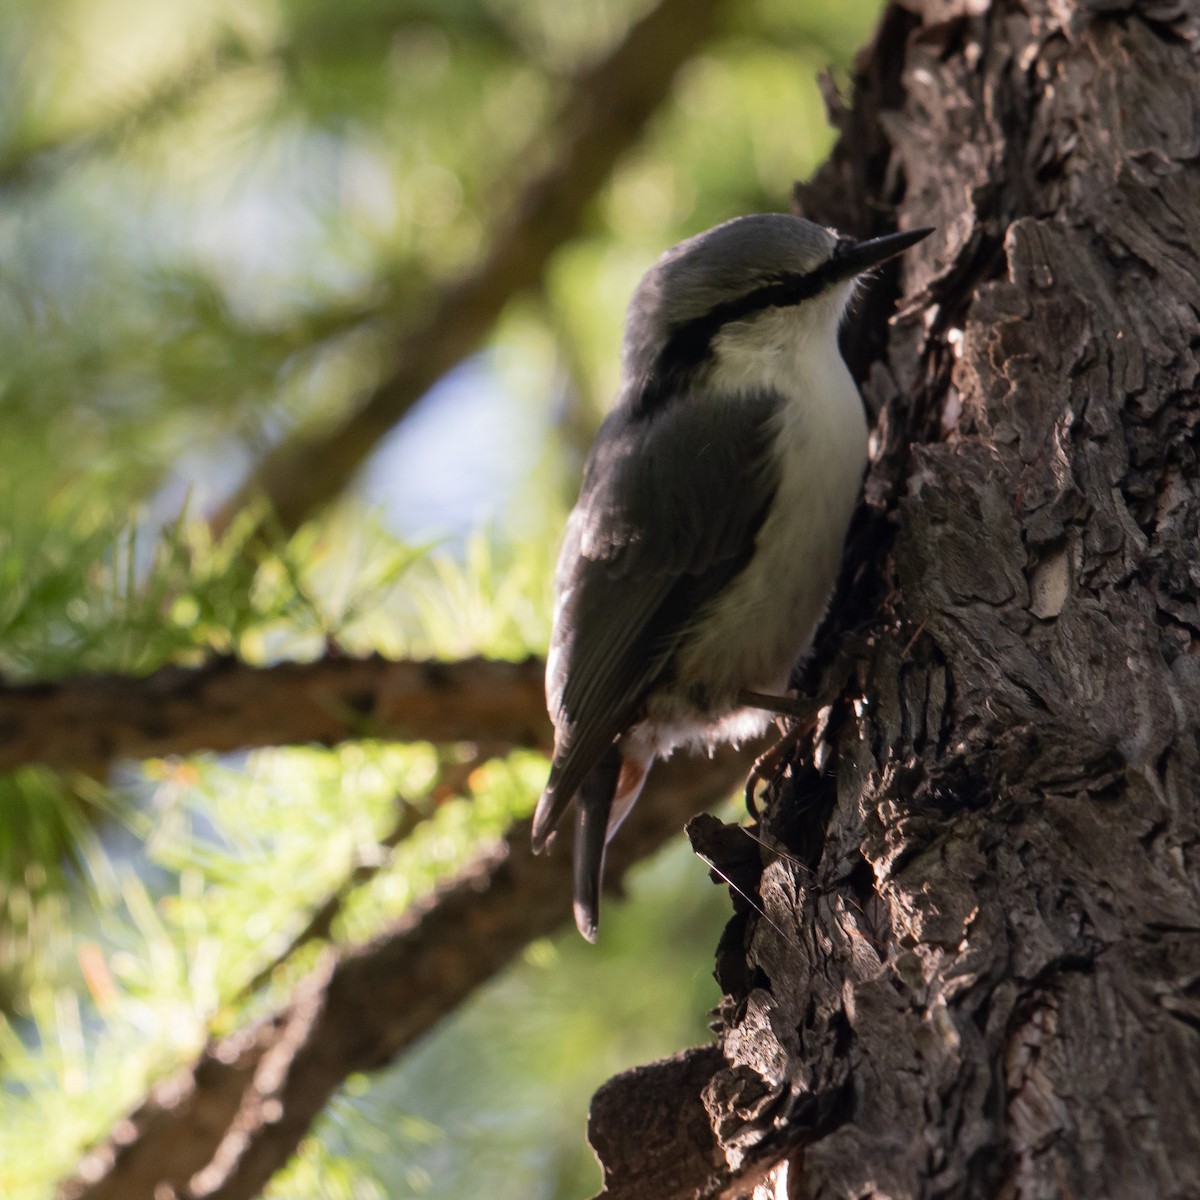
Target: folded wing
{"type": "Point", "coordinates": [671, 505]}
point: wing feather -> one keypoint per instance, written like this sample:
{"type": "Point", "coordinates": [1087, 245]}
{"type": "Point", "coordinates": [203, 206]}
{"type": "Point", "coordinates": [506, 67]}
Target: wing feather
{"type": "Point", "coordinates": [670, 507]}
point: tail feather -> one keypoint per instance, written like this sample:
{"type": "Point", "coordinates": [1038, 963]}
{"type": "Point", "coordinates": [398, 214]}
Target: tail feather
{"type": "Point", "coordinates": [546, 816]}
{"type": "Point", "coordinates": [603, 797]}
{"type": "Point", "coordinates": [593, 803]}
{"type": "Point", "coordinates": [590, 845]}
{"type": "Point", "coordinates": [570, 768]}
{"type": "Point", "coordinates": [603, 802]}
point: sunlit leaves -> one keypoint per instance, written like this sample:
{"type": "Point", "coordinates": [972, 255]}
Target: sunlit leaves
{"type": "Point", "coordinates": [217, 219]}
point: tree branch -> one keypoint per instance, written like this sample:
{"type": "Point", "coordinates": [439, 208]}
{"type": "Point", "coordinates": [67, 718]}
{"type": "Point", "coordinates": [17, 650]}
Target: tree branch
{"type": "Point", "coordinates": [221, 1129]}
{"type": "Point", "coordinates": [229, 705]}
{"type": "Point", "coordinates": [149, 104]}
{"type": "Point", "coordinates": [600, 120]}
{"type": "Point", "coordinates": [453, 780]}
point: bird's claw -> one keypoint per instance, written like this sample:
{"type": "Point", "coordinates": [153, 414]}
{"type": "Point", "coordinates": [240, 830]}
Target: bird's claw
{"type": "Point", "coordinates": [769, 766]}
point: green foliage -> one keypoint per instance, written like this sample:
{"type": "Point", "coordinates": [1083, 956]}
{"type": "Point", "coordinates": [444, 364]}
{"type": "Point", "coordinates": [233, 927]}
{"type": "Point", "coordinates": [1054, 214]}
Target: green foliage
{"type": "Point", "coordinates": [480, 1104]}
{"type": "Point", "coordinates": [216, 219]}
{"type": "Point", "coordinates": [50, 854]}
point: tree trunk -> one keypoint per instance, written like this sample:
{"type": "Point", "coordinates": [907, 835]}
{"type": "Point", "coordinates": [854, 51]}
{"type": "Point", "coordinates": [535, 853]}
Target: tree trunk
{"type": "Point", "coordinates": [976, 971]}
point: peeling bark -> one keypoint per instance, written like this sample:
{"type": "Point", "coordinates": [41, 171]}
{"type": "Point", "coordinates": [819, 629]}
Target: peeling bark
{"type": "Point", "coordinates": [977, 968]}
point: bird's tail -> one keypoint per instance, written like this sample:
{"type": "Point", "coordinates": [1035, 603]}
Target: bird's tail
{"type": "Point", "coordinates": [603, 801]}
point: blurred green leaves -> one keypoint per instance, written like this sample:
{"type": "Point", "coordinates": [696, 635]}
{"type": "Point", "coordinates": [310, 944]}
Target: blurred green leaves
{"type": "Point", "coordinates": [217, 218]}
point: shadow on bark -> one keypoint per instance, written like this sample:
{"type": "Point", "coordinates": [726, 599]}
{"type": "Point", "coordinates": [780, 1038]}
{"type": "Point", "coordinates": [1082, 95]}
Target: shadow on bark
{"type": "Point", "coordinates": [970, 967]}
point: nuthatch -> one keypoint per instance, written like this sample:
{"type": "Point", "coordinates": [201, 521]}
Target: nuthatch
{"type": "Point", "coordinates": [708, 533]}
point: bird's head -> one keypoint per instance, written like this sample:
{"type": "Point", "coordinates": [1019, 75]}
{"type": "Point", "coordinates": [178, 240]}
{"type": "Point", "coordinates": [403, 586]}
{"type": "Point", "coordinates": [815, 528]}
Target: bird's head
{"type": "Point", "coordinates": [726, 282]}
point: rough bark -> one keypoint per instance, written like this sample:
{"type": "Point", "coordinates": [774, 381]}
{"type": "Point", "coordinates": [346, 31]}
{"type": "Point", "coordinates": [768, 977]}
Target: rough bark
{"type": "Point", "coordinates": [976, 972]}
{"type": "Point", "coordinates": [226, 704]}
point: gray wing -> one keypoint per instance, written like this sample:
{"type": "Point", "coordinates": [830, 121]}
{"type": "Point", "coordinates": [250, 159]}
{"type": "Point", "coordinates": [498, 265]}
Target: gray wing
{"type": "Point", "coordinates": [670, 508]}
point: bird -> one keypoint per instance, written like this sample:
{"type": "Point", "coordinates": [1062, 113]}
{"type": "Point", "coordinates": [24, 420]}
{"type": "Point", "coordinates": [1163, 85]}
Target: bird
{"type": "Point", "coordinates": [707, 537]}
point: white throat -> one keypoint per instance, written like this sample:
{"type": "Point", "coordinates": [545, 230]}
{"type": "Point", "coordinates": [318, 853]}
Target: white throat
{"type": "Point", "coordinates": [778, 347]}
{"type": "Point", "coordinates": [822, 438]}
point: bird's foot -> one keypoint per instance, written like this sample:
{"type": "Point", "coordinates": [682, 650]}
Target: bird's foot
{"type": "Point", "coordinates": [769, 766]}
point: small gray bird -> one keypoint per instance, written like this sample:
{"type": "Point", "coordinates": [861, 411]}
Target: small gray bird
{"type": "Point", "coordinates": [708, 533]}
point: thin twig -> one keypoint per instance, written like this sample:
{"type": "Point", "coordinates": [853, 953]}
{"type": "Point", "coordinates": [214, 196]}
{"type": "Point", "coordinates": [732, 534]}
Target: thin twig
{"type": "Point", "coordinates": [452, 780]}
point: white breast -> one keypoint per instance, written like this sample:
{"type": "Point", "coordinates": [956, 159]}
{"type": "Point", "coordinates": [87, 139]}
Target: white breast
{"type": "Point", "coordinates": [765, 620]}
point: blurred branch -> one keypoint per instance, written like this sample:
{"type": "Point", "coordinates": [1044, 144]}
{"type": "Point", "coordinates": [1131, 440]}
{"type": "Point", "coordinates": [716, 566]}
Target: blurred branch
{"type": "Point", "coordinates": [228, 705]}
{"type": "Point", "coordinates": [42, 158]}
{"type": "Point", "coordinates": [221, 1128]}
{"type": "Point", "coordinates": [600, 119]}
{"type": "Point", "coordinates": [453, 780]}
{"type": "Point", "coordinates": [35, 159]}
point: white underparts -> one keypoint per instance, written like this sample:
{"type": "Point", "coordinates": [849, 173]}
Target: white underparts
{"type": "Point", "coordinates": [753, 633]}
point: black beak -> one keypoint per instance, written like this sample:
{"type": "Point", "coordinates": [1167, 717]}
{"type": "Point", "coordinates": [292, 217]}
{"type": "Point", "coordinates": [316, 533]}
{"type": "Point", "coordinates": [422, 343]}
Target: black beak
{"type": "Point", "coordinates": [852, 258]}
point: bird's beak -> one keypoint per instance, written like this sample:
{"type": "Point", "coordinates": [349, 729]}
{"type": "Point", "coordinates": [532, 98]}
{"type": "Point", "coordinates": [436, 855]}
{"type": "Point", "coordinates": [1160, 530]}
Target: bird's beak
{"type": "Point", "coordinates": [851, 258]}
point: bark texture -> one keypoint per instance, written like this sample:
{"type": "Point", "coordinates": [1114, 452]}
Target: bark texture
{"type": "Point", "coordinates": [977, 972]}
{"type": "Point", "coordinates": [226, 704]}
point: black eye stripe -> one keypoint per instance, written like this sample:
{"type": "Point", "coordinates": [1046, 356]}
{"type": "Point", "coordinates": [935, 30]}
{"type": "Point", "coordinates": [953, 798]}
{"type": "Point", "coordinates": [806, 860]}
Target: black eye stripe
{"type": "Point", "coordinates": [690, 343]}
{"type": "Point", "coordinates": [783, 292]}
